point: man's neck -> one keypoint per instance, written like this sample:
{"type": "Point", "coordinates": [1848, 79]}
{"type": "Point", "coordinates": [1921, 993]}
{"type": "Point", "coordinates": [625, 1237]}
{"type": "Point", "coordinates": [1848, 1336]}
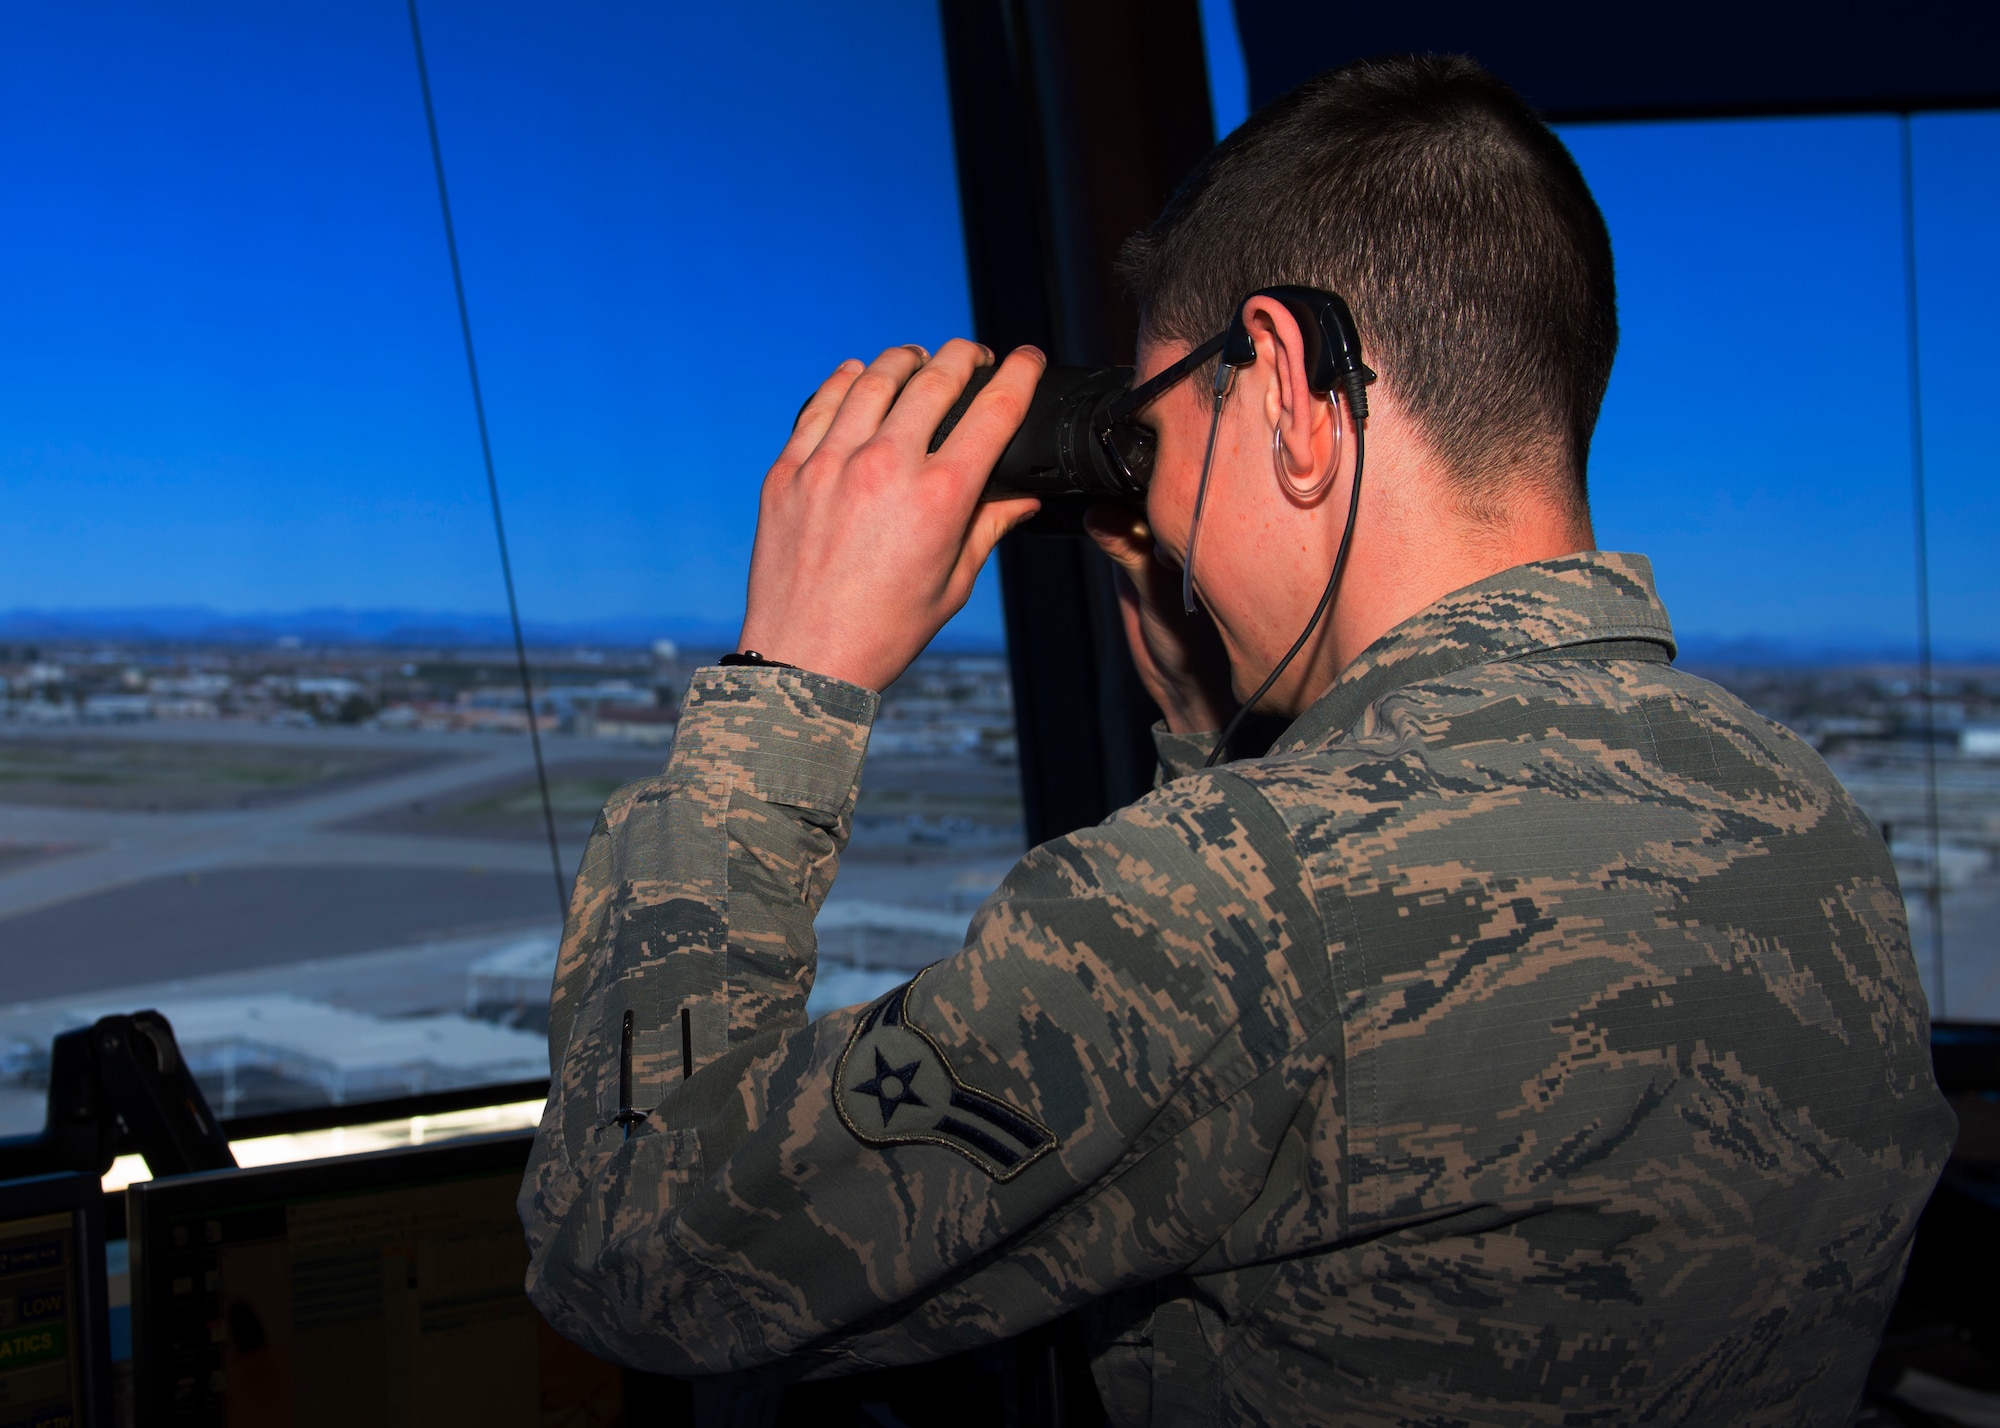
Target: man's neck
{"type": "Point", "coordinates": [1415, 545]}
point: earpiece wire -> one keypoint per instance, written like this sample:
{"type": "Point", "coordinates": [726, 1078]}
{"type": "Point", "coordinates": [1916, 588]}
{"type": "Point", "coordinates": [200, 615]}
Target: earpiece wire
{"type": "Point", "coordinates": [1319, 611]}
{"type": "Point", "coordinates": [1222, 389]}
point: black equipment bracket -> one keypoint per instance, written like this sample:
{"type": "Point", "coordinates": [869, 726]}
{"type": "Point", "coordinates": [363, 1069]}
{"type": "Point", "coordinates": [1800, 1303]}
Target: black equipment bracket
{"type": "Point", "coordinates": [120, 1084]}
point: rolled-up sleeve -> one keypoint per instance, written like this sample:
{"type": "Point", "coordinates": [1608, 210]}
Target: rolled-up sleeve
{"type": "Point", "coordinates": [1085, 1097]}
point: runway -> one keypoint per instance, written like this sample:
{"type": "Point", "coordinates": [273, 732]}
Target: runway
{"type": "Point", "coordinates": [121, 847]}
{"type": "Point", "coordinates": [443, 840]}
{"type": "Point", "coordinates": [93, 898]}
{"type": "Point", "coordinates": [368, 880]}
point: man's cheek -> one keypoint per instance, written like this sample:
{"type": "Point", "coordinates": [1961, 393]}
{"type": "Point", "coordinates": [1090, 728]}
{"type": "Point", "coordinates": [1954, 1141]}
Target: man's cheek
{"type": "Point", "coordinates": [1170, 529]}
{"type": "Point", "coordinates": [1159, 517]}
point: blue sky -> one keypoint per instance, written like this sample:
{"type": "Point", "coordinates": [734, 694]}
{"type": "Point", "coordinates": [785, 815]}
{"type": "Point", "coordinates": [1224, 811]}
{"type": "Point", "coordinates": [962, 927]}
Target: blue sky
{"type": "Point", "coordinates": [232, 375]}
{"type": "Point", "coordinates": [1756, 437]}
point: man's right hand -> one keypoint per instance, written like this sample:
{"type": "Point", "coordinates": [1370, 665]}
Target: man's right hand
{"type": "Point", "coordinates": [1180, 657]}
{"type": "Point", "coordinates": [867, 540]}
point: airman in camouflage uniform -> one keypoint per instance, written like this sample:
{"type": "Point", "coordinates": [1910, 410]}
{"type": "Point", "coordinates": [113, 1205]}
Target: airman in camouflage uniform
{"type": "Point", "coordinates": [1531, 1036]}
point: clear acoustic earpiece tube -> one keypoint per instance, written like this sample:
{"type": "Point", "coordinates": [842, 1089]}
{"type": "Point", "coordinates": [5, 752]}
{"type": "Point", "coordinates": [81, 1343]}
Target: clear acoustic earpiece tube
{"type": "Point", "coordinates": [1312, 492]}
{"type": "Point", "coordinates": [1225, 378]}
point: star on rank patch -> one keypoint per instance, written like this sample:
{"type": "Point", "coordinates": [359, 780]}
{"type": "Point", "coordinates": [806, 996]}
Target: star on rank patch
{"type": "Point", "coordinates": [887, 1108]}
{"type": "Point", "coordinates": [892, 1086]}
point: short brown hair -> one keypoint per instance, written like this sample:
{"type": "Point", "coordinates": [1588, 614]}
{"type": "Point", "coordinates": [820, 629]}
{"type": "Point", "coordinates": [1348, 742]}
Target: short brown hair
{"type": "Point", "coordinates": [1457, 226]}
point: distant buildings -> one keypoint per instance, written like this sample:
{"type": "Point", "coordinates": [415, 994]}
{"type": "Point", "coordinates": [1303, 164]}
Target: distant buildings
{"type": "Point", "coordinates": [455, 690]}
{"type": "Point", "coordinates": [1980, 741]}
{"type": "Point", "coordinates": [947, 706]}
{"type": "Point", "coordinates": [634, 725]}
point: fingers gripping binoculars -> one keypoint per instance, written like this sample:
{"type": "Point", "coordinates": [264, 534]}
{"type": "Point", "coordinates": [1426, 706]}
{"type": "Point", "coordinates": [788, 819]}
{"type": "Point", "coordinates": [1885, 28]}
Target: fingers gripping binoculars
{"type": "Point", "coordinates": [1082, 440]}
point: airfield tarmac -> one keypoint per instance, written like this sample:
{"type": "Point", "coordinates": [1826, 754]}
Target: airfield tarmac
{"type": "Point", "coordinates": [141, 852]}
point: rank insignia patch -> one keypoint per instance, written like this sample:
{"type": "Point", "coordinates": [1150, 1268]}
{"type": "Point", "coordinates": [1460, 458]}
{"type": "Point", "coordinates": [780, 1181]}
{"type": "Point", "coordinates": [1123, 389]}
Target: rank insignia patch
{"type": "Point", "coordinates": [892, 1087]}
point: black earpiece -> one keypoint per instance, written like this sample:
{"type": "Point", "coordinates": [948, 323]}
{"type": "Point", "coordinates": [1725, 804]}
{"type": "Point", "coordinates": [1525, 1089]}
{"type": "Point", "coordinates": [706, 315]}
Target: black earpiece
{"type": "Point", "coordinates": [1333, 359]}
{"type": "Point", "coordinates": [1333, 342]}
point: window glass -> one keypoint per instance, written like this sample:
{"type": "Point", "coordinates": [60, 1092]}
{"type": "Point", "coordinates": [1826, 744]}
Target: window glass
{"type": "Point", "coordinates": [1957, 187]}
{"type": "Point", "coordinates": [262, 742]}
{"type": "Point", "coordinates": [1756, 443]}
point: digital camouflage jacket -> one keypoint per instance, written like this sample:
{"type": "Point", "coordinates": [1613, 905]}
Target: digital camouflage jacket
{"type": "Point", "coordinates": [1531, 1037]}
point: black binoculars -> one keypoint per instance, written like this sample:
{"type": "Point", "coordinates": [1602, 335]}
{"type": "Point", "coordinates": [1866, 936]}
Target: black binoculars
{"type": "Point", "coordinates": [1082, 440]}
{"type": "Point", "coordinates": [1072, 443]}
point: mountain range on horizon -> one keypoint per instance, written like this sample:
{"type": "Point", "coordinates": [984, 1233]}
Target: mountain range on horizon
{"type": "Point", "coordinates": [194, 624]}
{"type": "Point", "coordinates": [472, 629]}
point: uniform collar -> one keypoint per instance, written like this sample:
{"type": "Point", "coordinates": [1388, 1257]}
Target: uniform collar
{"type": "Point", "coordinates": [1581, 599]}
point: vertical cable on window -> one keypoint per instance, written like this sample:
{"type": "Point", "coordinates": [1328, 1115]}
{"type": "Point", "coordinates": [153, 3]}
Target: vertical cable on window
{"type": "Point", "coordinates": [1926, 685]}
{"type": "Point", "coordinates": [486, 451]}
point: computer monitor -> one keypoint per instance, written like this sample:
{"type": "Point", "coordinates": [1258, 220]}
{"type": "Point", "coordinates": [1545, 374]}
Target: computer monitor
{"type": "Point", "coordinates": [54, 1334]}
{"type": "Point", "coordinates": [379, 1290]}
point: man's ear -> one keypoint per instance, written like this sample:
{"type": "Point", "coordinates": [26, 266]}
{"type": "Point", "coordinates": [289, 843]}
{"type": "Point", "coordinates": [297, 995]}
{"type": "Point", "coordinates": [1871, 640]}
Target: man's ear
{"type": "Point", "coordinates": [1304, 421]}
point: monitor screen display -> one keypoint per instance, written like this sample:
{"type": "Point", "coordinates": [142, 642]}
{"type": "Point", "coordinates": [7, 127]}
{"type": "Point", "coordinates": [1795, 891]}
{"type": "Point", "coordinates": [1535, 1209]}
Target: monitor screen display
{"type": "Point", "coordinates": [383, 1290]}
{"type": "Point", "coordinates": [52, 1331]}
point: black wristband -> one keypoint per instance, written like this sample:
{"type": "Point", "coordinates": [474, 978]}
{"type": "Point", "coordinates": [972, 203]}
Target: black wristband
{"type": "Point", "coordinates": [751, 657]}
